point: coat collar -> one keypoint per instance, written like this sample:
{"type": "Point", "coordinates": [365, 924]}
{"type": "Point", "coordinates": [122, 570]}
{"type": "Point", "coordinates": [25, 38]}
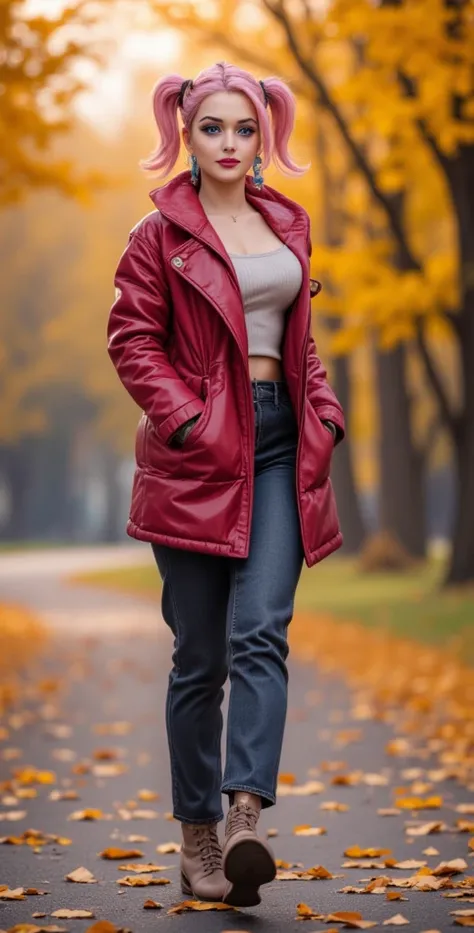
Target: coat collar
{"type": "Point", "coordinates": [178, 201]}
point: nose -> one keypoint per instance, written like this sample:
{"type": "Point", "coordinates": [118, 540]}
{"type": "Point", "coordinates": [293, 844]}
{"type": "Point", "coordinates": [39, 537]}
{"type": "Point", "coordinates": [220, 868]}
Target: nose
{"type": "Point", "coordinates": [229, 142]}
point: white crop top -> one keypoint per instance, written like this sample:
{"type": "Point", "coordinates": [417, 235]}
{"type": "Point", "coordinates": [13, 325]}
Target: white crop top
{"type": "Point", "coordinates": [269, 283]}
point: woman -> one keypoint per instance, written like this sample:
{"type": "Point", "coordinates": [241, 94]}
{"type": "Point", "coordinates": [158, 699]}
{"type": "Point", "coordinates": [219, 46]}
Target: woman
{"type": "Point", "coordinates": [210, 334]}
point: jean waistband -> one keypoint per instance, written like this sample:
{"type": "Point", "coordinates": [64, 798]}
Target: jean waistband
{"type": "Point", "coordinates": [271, 389]}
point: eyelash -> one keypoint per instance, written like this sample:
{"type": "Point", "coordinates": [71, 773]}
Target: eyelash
{"type": "Point", "coordinates": [213, 126]}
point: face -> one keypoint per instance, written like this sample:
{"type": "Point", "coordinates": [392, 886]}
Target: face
{"type": "Point", "coordinates": [224, 127]}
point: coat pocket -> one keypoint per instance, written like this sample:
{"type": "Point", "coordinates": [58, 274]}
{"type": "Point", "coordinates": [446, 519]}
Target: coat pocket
{"type": "Point", "coordinates": [318, 446]}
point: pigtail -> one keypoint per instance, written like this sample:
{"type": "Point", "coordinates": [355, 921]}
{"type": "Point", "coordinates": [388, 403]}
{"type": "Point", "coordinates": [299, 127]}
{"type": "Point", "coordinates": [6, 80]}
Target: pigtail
{"type": "Point", "coordinates": [282, 105]}
{"type": "Point", "coordinates": [166, 99]}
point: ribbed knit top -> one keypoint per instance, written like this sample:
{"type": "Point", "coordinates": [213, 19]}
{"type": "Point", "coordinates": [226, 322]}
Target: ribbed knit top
{"type": "Point", "coordinates": [269, 283]}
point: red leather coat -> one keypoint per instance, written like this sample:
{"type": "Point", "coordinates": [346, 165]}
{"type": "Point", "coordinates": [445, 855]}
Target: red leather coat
{"type": "Point", "coordinates": [178, 340]}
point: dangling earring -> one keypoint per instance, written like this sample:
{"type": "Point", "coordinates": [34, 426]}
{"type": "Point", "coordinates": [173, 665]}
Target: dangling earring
{"type": "Point", "coordinates": [194, 170]}
{"type": "Point", "coordinates": [257, 175]}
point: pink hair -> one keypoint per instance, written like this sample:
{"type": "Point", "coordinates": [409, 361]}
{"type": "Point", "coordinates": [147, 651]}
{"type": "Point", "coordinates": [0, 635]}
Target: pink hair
{"type": "Point", "coordinates": [223, 77]}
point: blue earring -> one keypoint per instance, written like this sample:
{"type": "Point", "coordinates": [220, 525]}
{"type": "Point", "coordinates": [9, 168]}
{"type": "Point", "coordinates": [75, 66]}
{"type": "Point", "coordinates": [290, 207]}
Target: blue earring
{"type": "Point", "coordinates": [194, 170]}
{"type": "Point", "coordinates": [257, 175]}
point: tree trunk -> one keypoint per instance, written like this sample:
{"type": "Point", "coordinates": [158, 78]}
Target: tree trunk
{"type": "Point", "coordinates": [461, 569]}
{"type": "Point", "coordinates": [16, 466]}
{"type": "Point", "coordinates": [460, 175]}
{"type": "Point", "coordinates": [402, 506]}
{"type": "Point", "coordinates": [342, 472]}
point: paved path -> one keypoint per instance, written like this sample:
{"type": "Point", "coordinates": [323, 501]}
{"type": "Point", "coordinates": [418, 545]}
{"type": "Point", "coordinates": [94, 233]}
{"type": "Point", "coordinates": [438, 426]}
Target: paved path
{"type": "Point", "coordinates": [114, 669]}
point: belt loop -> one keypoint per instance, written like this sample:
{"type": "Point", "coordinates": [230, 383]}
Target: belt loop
{"type": "Point", "coordinates": [275, 394]}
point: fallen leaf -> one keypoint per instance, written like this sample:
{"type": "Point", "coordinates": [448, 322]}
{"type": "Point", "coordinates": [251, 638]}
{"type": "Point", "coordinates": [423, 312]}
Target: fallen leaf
{"type": "Point", "coordinates": [434, 826]}
{"type": "Point", "coordinates": [139, 881]}
{"type": "Point", "coordinates": [452, 867]}
{"type": "Point", "coordinates": [306, 830]}
{"type": "Point", "coordinates": [334, 805]}
{"type": "Point", "coordinates": [271, 833]}
{"type": "Point", "coordinates": [300, 790]}
{"type": "Point", "coordinates": [138, 814]}
{"type": "Point", "coordinates": [397, 920]}
{"type": "Point", "coordinates": [152, 905]}
{"type": "Point", "coordinates": [112, 728]}
{"type": "Point", "coordinates": [303, 912]}
{"type": "Point", "coordinates": [419, 803]}
{"type": "Point", "coordinates": [431, 851]}
{"type": "Point", "coordinates": [103, 926]}
{"type": "Point", "coordinates": [63, 795]}
{"type": "Point", "coordinates": [198, 905]}
{"type": "Point", "coordinates": [357, 852]}
{"type": "Point", "coordinates": [88, 814]}
{"type": "Point", "coordinates": [13, 815]}
{"type": "Point", "coordinates": [148, 795]}
{"type": "Point", "coordinates": [166, 848]}
{"type": "Point", "coordinates": [65, 914]}
{"type": "Point", "coordinates": [81, 876]}
{"type": "Point", "coordinates": [144, 867]}
{"type": "Point", "coordinates": [350, 919]}
{"type": "Point", "coordinates": [388, 811]}
{"type": "Point", "coordinates": [375, 780]}
{"type": "Point", "coordinates": [112, 853]}
{"type": "Point", "coordinates": [409, 863]}
{"type": "Point", "coordinates": [13, 894]}
{"type": "Point", "coordinates": [109, 770]}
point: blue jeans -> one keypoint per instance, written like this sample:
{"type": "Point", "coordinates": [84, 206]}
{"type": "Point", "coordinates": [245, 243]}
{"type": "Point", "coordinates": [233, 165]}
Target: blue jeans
{"type": "Point", "coordinates": [229, 616]}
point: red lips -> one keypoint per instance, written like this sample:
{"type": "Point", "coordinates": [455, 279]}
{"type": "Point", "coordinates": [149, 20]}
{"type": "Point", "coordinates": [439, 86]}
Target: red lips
{"type": "Point", "coordinates": [228, 162]}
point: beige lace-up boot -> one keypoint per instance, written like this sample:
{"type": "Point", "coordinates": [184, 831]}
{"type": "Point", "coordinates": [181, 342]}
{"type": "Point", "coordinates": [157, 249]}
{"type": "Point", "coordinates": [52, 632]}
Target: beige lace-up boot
{"type": "Point", "coordinates": [248, 861]}
{"type": "Point", "coordinates": [201, 862]}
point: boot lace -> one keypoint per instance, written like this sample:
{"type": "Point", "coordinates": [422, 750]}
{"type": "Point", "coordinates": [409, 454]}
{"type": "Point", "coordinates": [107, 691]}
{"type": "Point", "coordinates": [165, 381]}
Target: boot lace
{"type": "Point", "coordinates": [241, 817]}
{"type": "Point", "coordinates": [209, 847]}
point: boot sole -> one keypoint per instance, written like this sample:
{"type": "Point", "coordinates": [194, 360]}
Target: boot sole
{"type": "Point", "coordinates": [247, 866]}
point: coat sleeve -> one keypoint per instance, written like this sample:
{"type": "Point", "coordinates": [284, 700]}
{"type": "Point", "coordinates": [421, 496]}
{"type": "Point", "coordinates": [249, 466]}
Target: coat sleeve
{"type": "Point", "coordinates": [138, 328]}
{"type": "Point", "coordinates": [320, 394]}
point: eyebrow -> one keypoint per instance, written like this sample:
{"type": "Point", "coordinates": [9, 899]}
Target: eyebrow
{"type": "Point", "coordinates": [218, 119]}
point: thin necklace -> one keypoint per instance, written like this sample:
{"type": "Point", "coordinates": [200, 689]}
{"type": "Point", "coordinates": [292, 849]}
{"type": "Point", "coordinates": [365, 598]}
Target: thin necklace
{"type": "Point", "coordinates": [234, 216]}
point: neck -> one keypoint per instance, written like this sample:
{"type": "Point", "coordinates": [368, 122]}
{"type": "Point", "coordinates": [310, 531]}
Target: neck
{"type": "Point", "coordinates": [220, 198]}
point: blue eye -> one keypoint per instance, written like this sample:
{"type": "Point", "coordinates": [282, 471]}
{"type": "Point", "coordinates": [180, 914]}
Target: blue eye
{"type": "Point", "coordinates": [245, 130]}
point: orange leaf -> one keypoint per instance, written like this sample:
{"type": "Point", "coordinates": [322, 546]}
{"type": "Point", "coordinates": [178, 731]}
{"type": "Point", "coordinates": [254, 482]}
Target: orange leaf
{"type": "Point", "coordinates": [112, 853]}
{"type": "Point", "coordinates": [357, 852]}
{"type": "Point", "coordinates": [199, 905]}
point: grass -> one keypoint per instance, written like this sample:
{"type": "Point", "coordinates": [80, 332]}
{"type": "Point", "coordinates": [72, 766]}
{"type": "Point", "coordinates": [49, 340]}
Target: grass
{"type": "Point", "coordinates": [409, 604]}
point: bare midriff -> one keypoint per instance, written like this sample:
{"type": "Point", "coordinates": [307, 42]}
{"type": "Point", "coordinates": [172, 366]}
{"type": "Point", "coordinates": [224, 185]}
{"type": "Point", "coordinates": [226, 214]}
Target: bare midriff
{"type": "Point", "coordinates": [265, 367]}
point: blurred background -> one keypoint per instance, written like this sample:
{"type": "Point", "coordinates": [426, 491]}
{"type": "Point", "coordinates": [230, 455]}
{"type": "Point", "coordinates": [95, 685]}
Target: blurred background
{"type": "Point", "coordinates": [386, 116]}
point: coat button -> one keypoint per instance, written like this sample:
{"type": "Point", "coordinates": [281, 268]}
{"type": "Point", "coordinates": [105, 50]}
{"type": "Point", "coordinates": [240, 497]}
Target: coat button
{"type": "Point", "coordinates": [178, 262]}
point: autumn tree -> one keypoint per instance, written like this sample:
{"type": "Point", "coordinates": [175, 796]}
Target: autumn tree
{"type": "Point", "coordinates": [38, 85]}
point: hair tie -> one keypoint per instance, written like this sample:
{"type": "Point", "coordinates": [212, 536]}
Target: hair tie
{"type": "Point", "coordinates": [183, 89]}
{"type": "Point", "coordinates": [265, 94]}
